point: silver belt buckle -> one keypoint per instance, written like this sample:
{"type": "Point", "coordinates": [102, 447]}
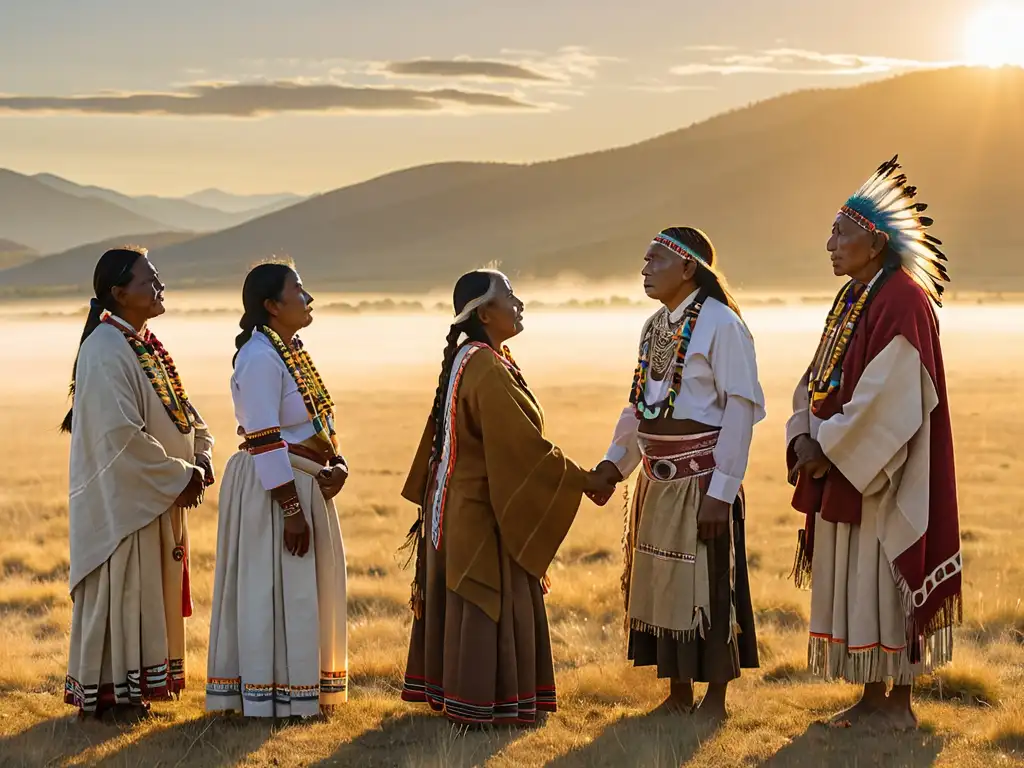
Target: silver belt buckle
{"type": "Point", "coordinates": [664, 470]}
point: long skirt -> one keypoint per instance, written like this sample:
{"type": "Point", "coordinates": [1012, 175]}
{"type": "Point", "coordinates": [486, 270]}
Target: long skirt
{"type": "Point", "coordinates": [858, 623]}
{"type": "Point", "coordinates": [475, 670]}
{"type": "Point", "coordinates": [723, 650]}
{"type": "Point", "coordinates": [127, 624]}
{"type": "Point", "coordinates": [278, 635]}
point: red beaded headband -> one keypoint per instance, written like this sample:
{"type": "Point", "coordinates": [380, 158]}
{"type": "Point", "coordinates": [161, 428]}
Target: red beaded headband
{"type": "Point", "coordinates": [858, 219]}
{"type": "Point", "coordinates": [678, 248]}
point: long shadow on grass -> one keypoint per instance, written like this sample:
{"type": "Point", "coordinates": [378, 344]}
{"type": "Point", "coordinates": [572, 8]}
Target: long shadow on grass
{"type": "Point", "coordinates": [654, 739]}
{"type": "Point", "coordinates": [53, 740]}
{"type": "Point", "coordinates": [421, 740]}
{"type": "Point", "coordinates": [848, 747]}
{"type": "Point", "coordinates": [208, 740]}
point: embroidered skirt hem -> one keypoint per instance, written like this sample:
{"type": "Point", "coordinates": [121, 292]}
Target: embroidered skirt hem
{"type": "Point", "coordinates": [127, 629]}
{"type": "Point", "coordinates": [278, 635]}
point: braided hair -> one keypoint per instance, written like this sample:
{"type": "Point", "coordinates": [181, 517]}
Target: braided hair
{"type": "Point", "coordinates": [708, 280]}
{"type": "Point", "coordinates": [471, 285]}
{"type": "Point", "coordinates": [264, 281]}
{"type": "Point", "coordinates": [113, 270]}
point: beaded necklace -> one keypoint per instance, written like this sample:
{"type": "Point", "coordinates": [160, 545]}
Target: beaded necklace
{"type": "Point", "coordinates": [680, 341]}
{"type": "Point", "coordinates": [158, 365]}
{"type": "Point", "coordinates": [319, 404]}
{"type": "Point", "coordinates": [826, 370]}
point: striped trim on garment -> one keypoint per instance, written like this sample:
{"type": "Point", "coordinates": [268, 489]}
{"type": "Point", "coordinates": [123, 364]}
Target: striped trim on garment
{"type": "Point", "coordinates": [449, 445]}
{"type": "Point", "coordinates": [522, 709]}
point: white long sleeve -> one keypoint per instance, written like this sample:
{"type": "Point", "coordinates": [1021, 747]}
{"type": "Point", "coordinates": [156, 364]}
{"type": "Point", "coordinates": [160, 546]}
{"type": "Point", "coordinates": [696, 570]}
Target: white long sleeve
{"type": "Point", "coordinates": [624, 452]}
{"type": "Point", "coordinates": [256, 388]}
{"type": "Point", "coordinates": [732, 449]}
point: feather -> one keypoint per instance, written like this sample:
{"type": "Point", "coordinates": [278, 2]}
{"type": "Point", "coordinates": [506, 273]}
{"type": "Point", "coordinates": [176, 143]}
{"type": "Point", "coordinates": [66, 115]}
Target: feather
{"type": "Point", "coordinates": [886, 200]}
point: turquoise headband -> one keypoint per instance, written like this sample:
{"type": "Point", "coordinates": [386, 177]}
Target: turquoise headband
{"type": "Point", "coordinates": [679, 248]}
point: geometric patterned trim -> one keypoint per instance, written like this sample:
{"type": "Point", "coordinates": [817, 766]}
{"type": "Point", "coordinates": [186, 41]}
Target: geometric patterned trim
{"type": "Point", "coordinates": [666, 554]}
{"type": "Point", "coordinates": [858, 219]}
{"type": "Point", "coordinates": [522, 709]}
{"type": "Point", "coordinates": [156, 683]}
{"type": "Point", "coordinates": [330, 682]}
{"type": "Point", "coordinates": [449, 443]}
{"type": "Point", "coordinates": [947, 570]}
{"type": "Point", "coordinates": [678, 248]}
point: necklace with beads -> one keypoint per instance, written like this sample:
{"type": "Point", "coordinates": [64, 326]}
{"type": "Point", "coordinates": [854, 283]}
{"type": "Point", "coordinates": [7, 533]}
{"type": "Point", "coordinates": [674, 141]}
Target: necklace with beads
{"type": "Point", "coordinates": [826, 369]}
{"type": "Point", "coordinates": [319, 404]}
{"type": "Point", "coordinates": [158, 365]}
{"type": "Point", "coordinates": [663, 350]}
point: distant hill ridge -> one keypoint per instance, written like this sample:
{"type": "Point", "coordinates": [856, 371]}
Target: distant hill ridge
{"type": "Point", "coordinates": [764, 181]}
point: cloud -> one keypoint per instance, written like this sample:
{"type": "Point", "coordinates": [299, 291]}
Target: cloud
{"type": "Point", "coordinates": [567, 66]}
{"type": "Point", "coordinates": [465, 69]}
{"type": "Point", "coordinates": [256, 99]}
{"type": "Point", "coordinates": [797, 61]}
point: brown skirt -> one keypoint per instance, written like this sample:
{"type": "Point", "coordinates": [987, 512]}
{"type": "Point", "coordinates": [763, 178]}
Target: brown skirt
{"type": "Point", "coordinates": [473, 669]}
{"type": "Point", "coordinates": [712, 658]}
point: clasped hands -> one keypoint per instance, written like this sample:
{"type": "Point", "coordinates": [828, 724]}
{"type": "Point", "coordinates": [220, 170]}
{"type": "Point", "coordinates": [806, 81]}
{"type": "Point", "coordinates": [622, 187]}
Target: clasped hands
{"type": "Point", "coordinates": [202, 478]}
{"type": "Point", "coordinates": [810, 459]}
{"type": "Point", "coordinates": [332, 478]}
{"type": "Point", "coordinates": [600, 482]}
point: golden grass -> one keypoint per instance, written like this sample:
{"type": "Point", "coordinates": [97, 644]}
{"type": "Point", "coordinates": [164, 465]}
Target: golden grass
{"type": "Point", "coordinates": [971, 712]}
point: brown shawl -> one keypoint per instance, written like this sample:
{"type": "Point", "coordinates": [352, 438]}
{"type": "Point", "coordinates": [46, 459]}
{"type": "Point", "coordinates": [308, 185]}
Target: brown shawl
{"type": "Point", "coordinates": [502, 482]}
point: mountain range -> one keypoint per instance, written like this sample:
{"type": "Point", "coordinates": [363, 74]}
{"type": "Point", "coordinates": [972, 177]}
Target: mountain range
{"type": "Point", "coordinates": [764, 181]}
{"type": "Point", "coordinates": [50, 214]}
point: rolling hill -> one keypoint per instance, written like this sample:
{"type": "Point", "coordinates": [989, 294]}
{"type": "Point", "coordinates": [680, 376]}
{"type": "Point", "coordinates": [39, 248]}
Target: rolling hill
{"type": "Point", "coordinates": [12, 254]}
{"type": "Point", "coordinates": [252, 204]}
{"type": "Point", "coordinates": [71, 271]}
{"type": "Point", "coordinates": [180, 213]}
{"type": "Point", "coordinates": [48, 220]}
{"type": "Point", "coordinates": [764, 181]}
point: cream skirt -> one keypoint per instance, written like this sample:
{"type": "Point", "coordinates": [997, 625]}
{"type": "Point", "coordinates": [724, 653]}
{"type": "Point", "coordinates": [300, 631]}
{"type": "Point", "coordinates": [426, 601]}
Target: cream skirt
{"type": "Point", "coordinates": [858, 624]}
{"type": "Point", "coordinates": [278, 637]}
{"type": "Point", "coordinates": [127, 624]}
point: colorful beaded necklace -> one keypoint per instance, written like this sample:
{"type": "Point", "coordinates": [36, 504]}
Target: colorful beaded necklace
{"type": "Point", "coordinates": [159, 368]}
{"type": "Point", "coordinates": [827, 369]}
{"type": "Point", "coordinates": [314, 392]}
{"type": "Point", "coordinates": [681, 342]}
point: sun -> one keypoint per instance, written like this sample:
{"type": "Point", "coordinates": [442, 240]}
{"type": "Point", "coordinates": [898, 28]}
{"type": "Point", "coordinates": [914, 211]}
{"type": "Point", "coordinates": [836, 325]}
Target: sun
{"type": "Point", "coordinates": [995, 36]}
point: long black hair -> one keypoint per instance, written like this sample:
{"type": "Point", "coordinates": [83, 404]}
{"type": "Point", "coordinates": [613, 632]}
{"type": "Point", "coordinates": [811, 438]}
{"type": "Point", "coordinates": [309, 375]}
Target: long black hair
{"type": "Point", "coordinates": [264, 281]}
{"type": "Point", "coordinates": [113, 270]}
{"type": "Point", "coordinates": [471, 285]}
{"type": "Point", "coordinates": [708, 278]}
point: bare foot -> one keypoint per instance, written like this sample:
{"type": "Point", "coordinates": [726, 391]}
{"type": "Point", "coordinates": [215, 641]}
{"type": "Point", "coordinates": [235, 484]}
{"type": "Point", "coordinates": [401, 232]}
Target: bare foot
{"type": "Point", "coordinates": [859, 712]}
{"type": "Point", "coordinates": [713, 712]}
{"type": "Point", "coordinates": [900, 718]}
{"type": "Point", "coordinates": [680, 699]}
{"type": "Point", "coordinates": [674, 706]}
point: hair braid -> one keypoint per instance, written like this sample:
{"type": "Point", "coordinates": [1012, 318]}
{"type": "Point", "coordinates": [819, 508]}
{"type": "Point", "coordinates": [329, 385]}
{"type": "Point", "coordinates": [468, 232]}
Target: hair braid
{"type": "Point", "coordinates": [437, 410]}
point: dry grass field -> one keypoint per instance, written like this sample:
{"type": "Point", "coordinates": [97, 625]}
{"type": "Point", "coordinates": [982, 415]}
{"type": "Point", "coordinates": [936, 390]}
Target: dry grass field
{"type": "Point", "coordinates": [381, 371]}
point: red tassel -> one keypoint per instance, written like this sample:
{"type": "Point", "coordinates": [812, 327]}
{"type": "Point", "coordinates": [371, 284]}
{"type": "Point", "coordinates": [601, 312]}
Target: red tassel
{"type": "Point", "coordinates": [186, 590]}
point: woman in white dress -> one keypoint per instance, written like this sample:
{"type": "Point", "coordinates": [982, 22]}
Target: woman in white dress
{"type": "Point", "coordinates": [278, 642]}
{"type": "Point", "coordinates": [140, 457]}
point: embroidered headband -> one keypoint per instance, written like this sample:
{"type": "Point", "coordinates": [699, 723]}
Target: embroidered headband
{"type": "Point", "coordinates": [498, 282]}
{"type": "Point", "coordinates": [885, 204]}
{"type": "Point", "coordinates": [678, 248]}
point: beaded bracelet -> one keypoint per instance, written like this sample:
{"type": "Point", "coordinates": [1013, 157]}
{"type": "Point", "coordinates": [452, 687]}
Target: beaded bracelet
{"type": "Point", "coordinates": [291, 507]}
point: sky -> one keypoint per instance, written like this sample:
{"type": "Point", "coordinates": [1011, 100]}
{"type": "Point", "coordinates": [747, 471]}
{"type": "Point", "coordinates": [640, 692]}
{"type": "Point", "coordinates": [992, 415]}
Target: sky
{"type": "Point", "coordinates": [311, 95]}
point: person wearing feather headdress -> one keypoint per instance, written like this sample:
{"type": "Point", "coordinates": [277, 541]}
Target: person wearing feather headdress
{"type": "Point", "coordinates": [692, 407]}
{"type": "Point", "coordinates": [870, 452]}
{"type": "Point", "coordinates": [141, 456]}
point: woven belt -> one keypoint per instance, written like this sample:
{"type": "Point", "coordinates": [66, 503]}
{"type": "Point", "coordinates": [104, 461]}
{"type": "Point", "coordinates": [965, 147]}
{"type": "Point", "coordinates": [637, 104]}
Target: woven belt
{"type": "Point", "coordinates": [668, 460]}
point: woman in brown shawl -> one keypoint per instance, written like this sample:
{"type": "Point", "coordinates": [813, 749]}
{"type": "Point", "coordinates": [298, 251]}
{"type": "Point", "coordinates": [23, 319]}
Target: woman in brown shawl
{"type": "Point", "coordinates": [496, 500]}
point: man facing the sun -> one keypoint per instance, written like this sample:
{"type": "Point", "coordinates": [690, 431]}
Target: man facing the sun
{"type": "Point", "coordinates": [870, 451]}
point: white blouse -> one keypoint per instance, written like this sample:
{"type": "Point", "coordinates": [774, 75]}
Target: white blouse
{"type": "Point", "coordinates": [266, 397]}
{"type": "Point", "coordinates": [719, 388]}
